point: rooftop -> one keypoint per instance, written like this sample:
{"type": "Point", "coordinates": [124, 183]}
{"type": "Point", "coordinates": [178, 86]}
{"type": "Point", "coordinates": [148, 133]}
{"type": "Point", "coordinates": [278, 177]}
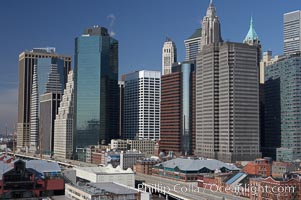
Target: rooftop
{"type": "Point", "coordinates": [109, 169]}
{"type": "Point", "coordinates": [107, 187]}
{"type": "Point", "coordinates": [197, 164]}
{"type": "Point", "coordinates": [43, 166]}
{"type": "Point", "coordinates": [197, 33]}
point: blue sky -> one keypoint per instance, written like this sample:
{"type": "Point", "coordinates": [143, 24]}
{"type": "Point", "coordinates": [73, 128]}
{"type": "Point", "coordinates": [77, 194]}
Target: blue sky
{"type": "Point", "coordinates": [140, 26]}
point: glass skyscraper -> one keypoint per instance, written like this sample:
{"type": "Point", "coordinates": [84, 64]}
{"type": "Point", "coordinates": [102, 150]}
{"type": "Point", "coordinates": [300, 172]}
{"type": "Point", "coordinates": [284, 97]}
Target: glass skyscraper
{"type": "Point", "coordinates": [283, 108]}
{"type": "Point", "coordinates": [96, 88]}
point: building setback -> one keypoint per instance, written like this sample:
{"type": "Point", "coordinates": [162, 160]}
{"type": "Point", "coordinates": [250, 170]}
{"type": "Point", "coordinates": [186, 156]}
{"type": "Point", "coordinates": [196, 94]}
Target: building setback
{"type": "Point", "coordinates": [177, 132]}
{"type": "Point", "coordinates": [42, 58]}
{"type": "Point", "coordinates": [142, 105]}
{"type": "Point", "coordinates": [96, 88]}
{"type": "Point", "coordinates": [64, 124]}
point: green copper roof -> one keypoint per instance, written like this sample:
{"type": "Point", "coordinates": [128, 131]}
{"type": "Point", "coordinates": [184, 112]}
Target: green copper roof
{"type": "Point", "coordinates": [196, 34]}
{"type": "Point", "coordinates": [252, 35]}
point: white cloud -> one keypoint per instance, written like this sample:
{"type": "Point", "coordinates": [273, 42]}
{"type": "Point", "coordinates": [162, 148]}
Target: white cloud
{"type": "Point", "coordinates": [112, 19]}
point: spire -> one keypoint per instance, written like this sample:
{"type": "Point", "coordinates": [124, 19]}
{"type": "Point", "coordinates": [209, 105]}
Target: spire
{"type": "Point", "coordinates": [211, 31]}
{"type": "Point", "coordinates": [211, 12]}
{"type": "Point", "coordinates": [252, 36]}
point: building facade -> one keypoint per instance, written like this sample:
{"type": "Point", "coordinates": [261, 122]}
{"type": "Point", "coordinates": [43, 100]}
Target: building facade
{"type": "Point", "coordinates": [142, 105]}
{"type": "Point", "coordinates": [64, 124]}
{"type": "Point", "coordinates": [282, 106]}
{"type": "Point", "coordinates": [96, 88]}
{"type": "Point", "coordinates": [105, 174]}
{"type": "Point", "coordinates": [43, 59]}
{"type": "Point", "coordinates": [292, 32]}
{"type": "Point", "coordinates": [227, 97]}
{"type": "Point", "coordinates": [121, 107]}
{"type": "Point", "coordinates": [193, 45]}
{"type": "Point", "coordinates": [169, 55]}
{"type": "Point", "coordinates": [177, 128]}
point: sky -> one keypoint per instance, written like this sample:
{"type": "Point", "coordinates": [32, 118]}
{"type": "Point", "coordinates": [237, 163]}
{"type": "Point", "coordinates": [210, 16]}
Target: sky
{"type": "Point", "coordinates": [140, 26]}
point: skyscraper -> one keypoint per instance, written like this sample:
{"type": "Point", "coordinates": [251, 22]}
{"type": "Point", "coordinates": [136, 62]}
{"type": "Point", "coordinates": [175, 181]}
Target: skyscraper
{"type": "Point", "coordinates": [49, 104]}
{"type": "Point", "coordinates": [142, 105]}
{"type": "Point", "coordinates": [207, 110]}
{"type": "Point", "coordinates": [64, 124]}
{"type": "Point", "coordinates": [227, 97]}
{"type": "Point", "coordinates": [193, 45]}
{"type": "Point", "coordinates": [282, 108]}
{"type": "Point", "coordinates": [49, 78]}
{"type": "Point", "coordinates": [169, 55]}
{"type": "Point", "coordinates": [211, 29]}
{"type": "Point", "coordinates": [177, 127]}
{"type": "Point", "coordinates": [41, 59]}
{"type": "Point", "coordinates": [292, 32]}
{"type": "Point", "coordinates": [121, 106]}
{"type": "Point", "coordinates": [96, 88]}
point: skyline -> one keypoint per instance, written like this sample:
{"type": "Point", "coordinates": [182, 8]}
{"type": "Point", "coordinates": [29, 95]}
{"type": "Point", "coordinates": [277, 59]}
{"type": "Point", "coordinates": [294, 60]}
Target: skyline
{"type": "Point", "coordinates": [59, 30]}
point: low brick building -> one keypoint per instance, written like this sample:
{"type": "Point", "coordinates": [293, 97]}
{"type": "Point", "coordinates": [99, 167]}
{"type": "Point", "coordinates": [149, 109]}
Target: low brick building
{"type": "Point", "coordinates": [30, 179]}
{"type": "Point", "coordinates": [260, 167]}
{"type": "Point", "coordinates": [145, 166]}
{"type": "Point", "coordinates": [270, 188]}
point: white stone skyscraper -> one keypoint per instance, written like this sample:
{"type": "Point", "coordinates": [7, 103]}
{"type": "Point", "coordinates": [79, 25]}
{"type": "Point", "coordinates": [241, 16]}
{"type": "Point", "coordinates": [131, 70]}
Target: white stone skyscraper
{"type": "Point", "coordinates": [142, 92]}
{"type": "Point", "coordinates": [169, 56]}
{"type": "Point", "coordinates": [34, 112]}
{"type": "Point", "coordinates": [211, 29]}
{"type": "Point", "coordinates": [63, 124]}
{"type": "Point", "coordinates": [292, 32]}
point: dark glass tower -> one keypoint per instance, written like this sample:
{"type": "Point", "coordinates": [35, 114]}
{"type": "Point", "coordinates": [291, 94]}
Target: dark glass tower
{"type": "Point", "coordinates": [96, 88]}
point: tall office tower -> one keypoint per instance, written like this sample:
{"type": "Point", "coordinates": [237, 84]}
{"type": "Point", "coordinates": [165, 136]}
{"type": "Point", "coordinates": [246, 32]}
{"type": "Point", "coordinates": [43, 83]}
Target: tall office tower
{"type": "Point", "coordinates": [207, 134]}
{"type": "Point", "coordinates": [49, 78]}
{"type": "Point", "coordinates": [177, 132]}
{"type": "Point", "coordinates": [42, 58]}
{"type": "Point", "coordinates": [96, 88]}
{"type": "Point", "coordinates": [49, 104]}
{"type": "Point", "coordinates": [227, 100]}
{"type": "Point", "coordinates": [63, 124]}
{"type": "Point", "coordinates": [193, 45]}
{"type": "Point", "coordinates": [283, 107]}
{"type": "Point", "coordinates": [169, 55]}
{"type": "Point", "coordinates": [211, 29]}
{"type": "Point", "coordinates": [292, 32]}
{"type": "Point", "coordinates": [142, 105]}
{"type": "Point", "coordinates": [121, 106]}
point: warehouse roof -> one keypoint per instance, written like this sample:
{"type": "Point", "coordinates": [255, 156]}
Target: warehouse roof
{"type": "Point", "coordinates": [185, 164]}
